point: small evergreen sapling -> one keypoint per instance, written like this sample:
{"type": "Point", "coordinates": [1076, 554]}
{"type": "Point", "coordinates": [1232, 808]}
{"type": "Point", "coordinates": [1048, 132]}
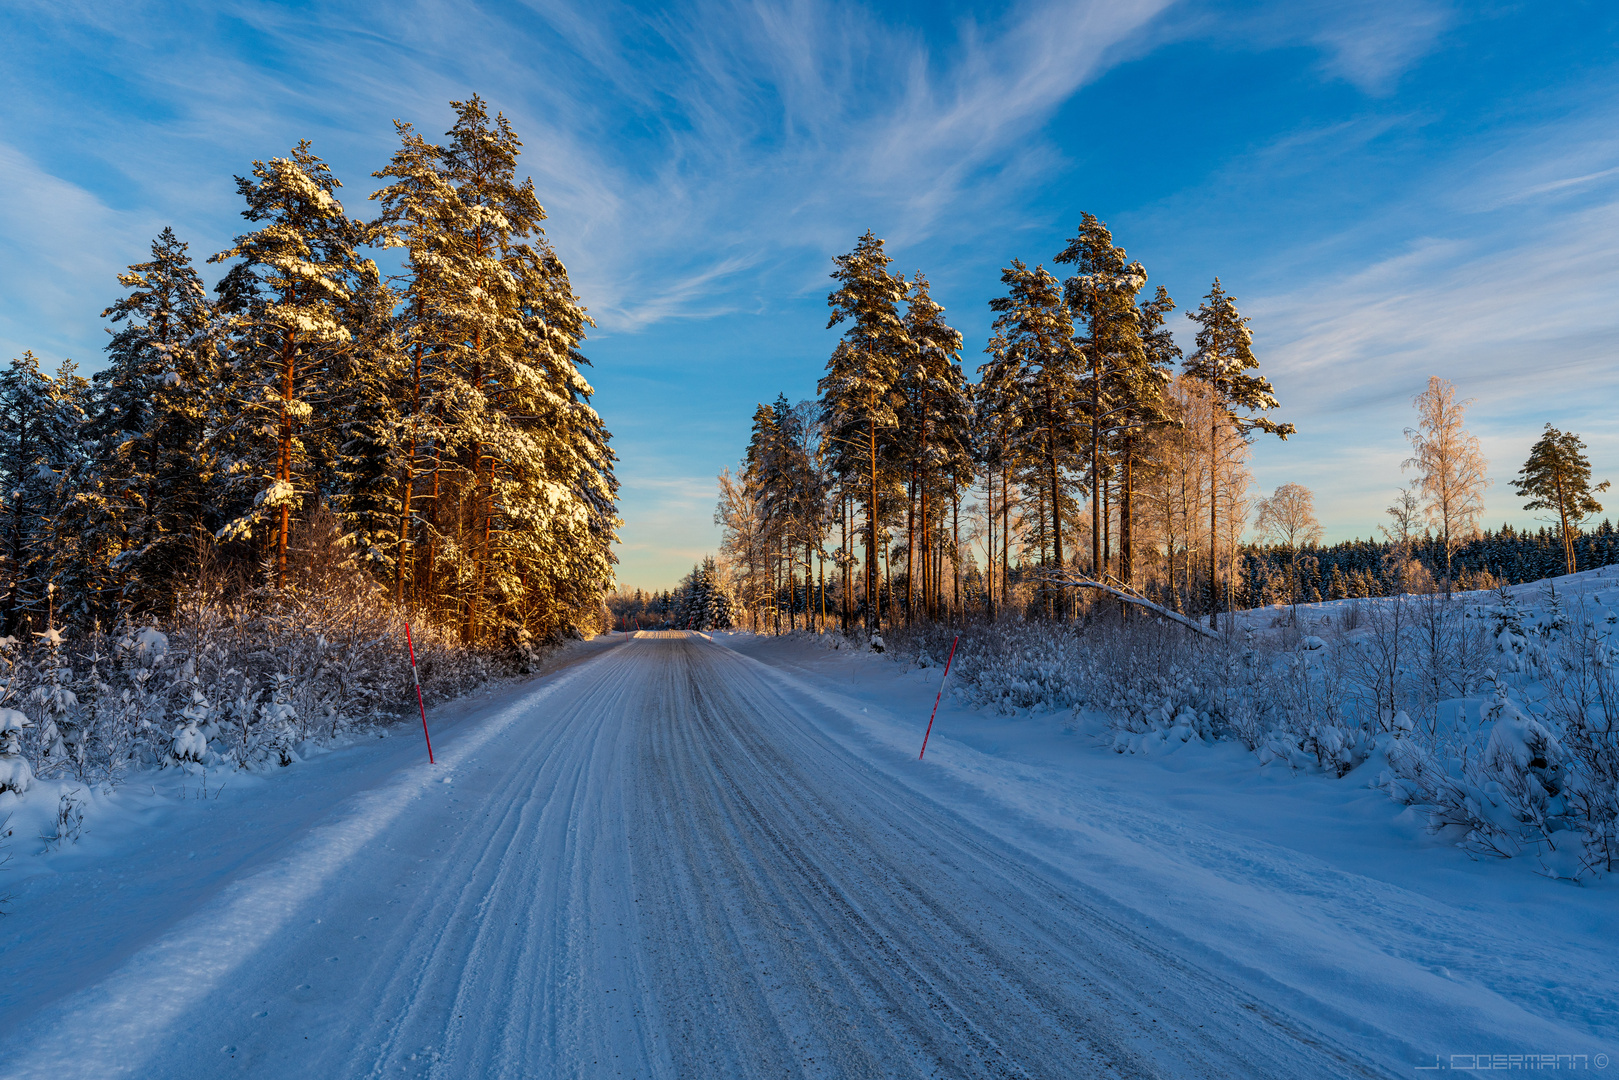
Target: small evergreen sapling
{"type": "Point", "coordinates": [63, 737]}
{"type": "Point", "coordinates": [278, 718]}
{"type": "Point", "coordinates": [188, 743]}
{"type": "Point", "coordinates": [15, 775]}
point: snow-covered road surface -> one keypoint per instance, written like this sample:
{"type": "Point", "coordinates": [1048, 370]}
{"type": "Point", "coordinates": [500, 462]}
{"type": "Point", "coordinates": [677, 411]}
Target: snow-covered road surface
{"type": "Point", "coordinates": [658, 863]}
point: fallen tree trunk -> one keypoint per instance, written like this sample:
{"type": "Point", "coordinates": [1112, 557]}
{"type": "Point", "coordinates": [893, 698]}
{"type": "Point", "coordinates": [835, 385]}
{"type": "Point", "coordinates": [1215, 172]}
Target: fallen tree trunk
{"type": "Point", "coordinates": [1140, 601]}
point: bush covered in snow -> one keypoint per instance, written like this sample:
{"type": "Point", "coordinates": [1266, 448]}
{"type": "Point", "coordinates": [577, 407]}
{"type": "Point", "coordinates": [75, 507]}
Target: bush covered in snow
{"type": "Point", "coordinates": [1496, 716]}
{"type": "Point", "coordinates": [222, 684]}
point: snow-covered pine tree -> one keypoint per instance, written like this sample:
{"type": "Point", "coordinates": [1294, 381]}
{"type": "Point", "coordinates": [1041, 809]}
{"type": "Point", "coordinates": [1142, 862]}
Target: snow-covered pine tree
{"type": "Point", "coordinates": [1222, 360]}
{"type": "Point", "coordinates": [1102, 297]}
{"type": "Point", "coordinates": [419, 207]}
{"type": "Point", "coordinates": [40, 422]}
{"type": "Point", "coordinates": [285, 295]}
{"type": "Point", "coordinates": [149, 413]}
{"type": "Point", "coordinates": [507, 465]}
{"type": "Point", "coordinates": [859, 392]}
{"type": "Point", "coordinates": [1036, 369]}
{"type": "Point", "coordinates": [558, 491]}
{"type": "Point", "coordinates": [935, 437]}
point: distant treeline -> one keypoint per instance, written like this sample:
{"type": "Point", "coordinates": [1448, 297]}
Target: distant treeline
{"type": "Point", "coordinates": [1370, 568]}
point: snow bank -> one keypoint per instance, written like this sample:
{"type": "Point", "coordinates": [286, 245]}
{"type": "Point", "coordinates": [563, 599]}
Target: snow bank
{"type": "Point", "coordinates": [218, 689]}
{"type": "Point", "coordinates": [1495, 715]}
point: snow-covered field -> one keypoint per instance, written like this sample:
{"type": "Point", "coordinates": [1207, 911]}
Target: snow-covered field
{"type": "Point", "coordinates": [684, 857]}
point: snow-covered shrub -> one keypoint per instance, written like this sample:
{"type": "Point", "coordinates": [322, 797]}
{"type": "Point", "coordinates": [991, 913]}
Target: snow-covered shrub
{"type": "Point", "coordinates": [1314, 725]}
{"type": "Point", "coordinates": [69, 822]}
{"type": "Point", "coordinates": [1144, 676]}
{"type": "Point", "coordinates": [278, 720]}
{"type": "Point", "coordinates": [188, 744]}
{"type": "Point", "coordinates": [62, 736]}
{"type": "Point", "coordinates": [1582, 703]}
{"type": "Point", "coordinates": [233, 683]}
{"type": "Point", "coordinates": [15, 773]}
{"type": "Point", "coordinates": [1497, 787]}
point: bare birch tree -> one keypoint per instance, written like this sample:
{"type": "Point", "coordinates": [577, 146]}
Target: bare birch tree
{"type": "Point", "coordinates": [1452, 472]}
{"type": "Point", "coordinates": [1287, 519]}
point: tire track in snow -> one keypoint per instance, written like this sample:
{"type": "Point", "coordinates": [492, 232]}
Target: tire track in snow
{"type": "Point", "coordinates": [115, 1027]}
{"type": "Point", "coordinates": [658, 866]}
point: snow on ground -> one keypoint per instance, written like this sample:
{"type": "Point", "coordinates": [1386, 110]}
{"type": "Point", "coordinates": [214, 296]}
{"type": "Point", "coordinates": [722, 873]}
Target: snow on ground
{"type": "Point", "coordinates": [1321, 893]}
{"type": "Point", "coordinates": [717, 857]}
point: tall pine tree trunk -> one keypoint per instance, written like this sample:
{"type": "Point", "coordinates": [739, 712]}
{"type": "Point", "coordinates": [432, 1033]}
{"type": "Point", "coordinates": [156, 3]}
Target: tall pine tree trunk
{"type": "Point", "coordinates": [847, 560]}
{"type": "Point", "coordinates": [910, 550]}
{"type": "Point", "coordinates": [407, 477]}
{"type": "Point", "coordinates": [1006, 533]}
{"type": "Point", "coordinates": [955, 553]}
{"type": "Point", "coordinates": [1127, 540]}
{"type": "Point", "coordinates": [1098, 492]}
{"type": "Point", "coordinates": [283, 467]}
{"type": "Point", "coordinates": [1107, 525]}
{"type": "Point", "coordinates": [873, 616]}
{"type": "Point", "coordinates": [1214, 502]}
{"type": "Point", "coordinates": [989, 561]}
{"type": "Point", "coordinates": [1056, 511]}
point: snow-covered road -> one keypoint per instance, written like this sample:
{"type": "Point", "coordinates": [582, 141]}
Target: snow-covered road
{"type": "Point", "coordinates": [656, 862]}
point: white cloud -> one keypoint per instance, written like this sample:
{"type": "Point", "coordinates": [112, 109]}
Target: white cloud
{"type": "Point", "coordinates": [54, 238]}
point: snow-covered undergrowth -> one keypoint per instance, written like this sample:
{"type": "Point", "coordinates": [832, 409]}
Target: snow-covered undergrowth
{"type": "Point", "coordinates": [1495, 715]}
{"type": "Point", "coordinates": [221, 687]}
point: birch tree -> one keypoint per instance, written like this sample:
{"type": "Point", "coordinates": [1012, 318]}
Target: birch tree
{"type": "Point", "coordinates": [1451, 471]}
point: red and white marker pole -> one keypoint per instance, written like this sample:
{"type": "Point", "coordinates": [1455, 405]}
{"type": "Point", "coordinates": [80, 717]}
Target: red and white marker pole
{"type": "Point", "coordinates": [411, 645]}
{"type": "Point", "coordinates": [939, 698]}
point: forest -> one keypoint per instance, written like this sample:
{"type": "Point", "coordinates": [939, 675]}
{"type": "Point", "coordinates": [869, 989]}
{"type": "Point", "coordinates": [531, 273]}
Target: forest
{"type": "Point", "coordinates": [425, 435]}
{"type": "Point", "coordinates": [1089, 451]}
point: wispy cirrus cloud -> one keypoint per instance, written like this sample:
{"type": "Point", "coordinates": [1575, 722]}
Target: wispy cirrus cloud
{"type": "Point", "coordinates": [676, 149]}
{"type": "Point", "coordinates": [701, 161]}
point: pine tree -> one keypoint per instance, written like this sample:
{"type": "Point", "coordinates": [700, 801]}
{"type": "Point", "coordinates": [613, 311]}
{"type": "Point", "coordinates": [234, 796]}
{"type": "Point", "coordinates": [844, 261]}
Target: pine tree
{"type": "Point", "coordinates": [934, 424]}
{"type": "Point", "coordinates": [418, 210]}
{"type": "Point", "coordinates": [859, 392]}
{"type": "Point", "coordinates": [285, 295]}
{"type": "Point", "coordinates": [1036, 370]}
{"type": "Point", "coordinates": [1557, 477]}
{"type": "Point", "coordinates": [1223, 358]}
{"type": "Point", "coordinates": [516, 524]}
{"type": "Point", "coordinates": [1101, 297]}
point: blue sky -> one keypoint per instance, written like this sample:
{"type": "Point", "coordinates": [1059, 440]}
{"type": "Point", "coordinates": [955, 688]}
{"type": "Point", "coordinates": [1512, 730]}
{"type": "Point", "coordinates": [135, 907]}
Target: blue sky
{"type": "Point", "coordinates": [1390, 190]}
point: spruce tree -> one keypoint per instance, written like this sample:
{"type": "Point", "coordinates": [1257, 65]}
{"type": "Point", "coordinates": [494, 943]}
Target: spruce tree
{"type": "Point", "coordinates": [366, 427]}
{"type": "Point", "coordinates": [39, 436]}
{"type": "Point", "coordinates": [150, 410]}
